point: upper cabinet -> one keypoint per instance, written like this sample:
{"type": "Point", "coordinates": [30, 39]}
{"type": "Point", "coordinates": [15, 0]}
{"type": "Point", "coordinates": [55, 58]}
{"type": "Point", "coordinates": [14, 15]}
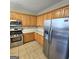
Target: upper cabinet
{"type": "Point", "coordinates": [33, 20]}
{"type": "Point", "coordinates": [15, 16]}
{"type": "Point", "coordinates": [66, 11]}
{"type": "Point", "coordinates": [12, 15]}
{"type": "Point", "coordinates": [25, 20]}
{"type": "Point", "coordinates": [30, 20]}
{"type": "Point", "coordinates": [45, 16]}
{"type": "Point", "coordinates": [40, 20]}
{"type": "Point", "coordinates": [59, 13]}
{"type": "Point", "coordinates": [49, 15]}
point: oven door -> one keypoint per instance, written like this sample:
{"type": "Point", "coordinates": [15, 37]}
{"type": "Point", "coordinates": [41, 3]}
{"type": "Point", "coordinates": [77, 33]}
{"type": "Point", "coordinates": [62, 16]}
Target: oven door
{"type": "Point", "coordinates": [16, 39]}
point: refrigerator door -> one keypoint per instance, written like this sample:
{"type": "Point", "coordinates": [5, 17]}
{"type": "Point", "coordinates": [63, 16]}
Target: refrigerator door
{"type": "Point", "coordinates": [59, 43]}
{"type": "Point", "coordinates": [47, 25]}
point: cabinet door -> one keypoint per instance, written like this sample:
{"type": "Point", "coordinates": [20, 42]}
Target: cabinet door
{"type": "Point", "coordinates": [36, 37]}
{"type": "Point", "coordinates": [28, 37]}
{"type": "Point", "coordinates": [45, 16]}
{"type": "Point", "coordinates": [12, 16]}
{"type": "Point", "coordinates": [33, 20]}
{"type": "Point", "coordinates": [59, 13]}
{"type": "Point", "coordinates": [49, 15]}
{"type": "Point", "coordinates": [40, 21]}
{"type": "Point", "coordinates": [66, 11]}
{"type": "Point", "coordinates": [26, 20]}
{"type": "Point", "coordinates": [39, 38]}
{"type": "Point", "coordinates": [15, 16]}
{"type": "Point", "coordinates": [18, 16]}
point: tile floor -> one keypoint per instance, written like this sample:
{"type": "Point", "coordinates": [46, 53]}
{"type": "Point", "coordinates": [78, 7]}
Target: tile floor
{"type": "Point", "coordinates": [31, 50]}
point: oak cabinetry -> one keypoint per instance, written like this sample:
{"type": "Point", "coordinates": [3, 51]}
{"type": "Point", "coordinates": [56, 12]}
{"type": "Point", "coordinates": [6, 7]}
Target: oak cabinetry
{"type": "Point", "coordinates": [28, 37]}
{"type": "Point", "coordinates": [39, 38]}
{"type": "Point", "coordinates": [30, 20]}
{"type": "Point", "coordinates": [26, 20]}
{"type": "Point", "coordinates": [59, 13]}
{"type": "Point", "coordinates": [15, 16]}
{"type": "Point", "coordinates": [49, 15]}
{"type": "Point", "coordinates": [45, 16]}
{"type": "Point", "coordinates": [12, 16]}
{"type": "Point", "coordinates": [36, 37]}
{"type": "Point", "coordinates": [33, 20]}
{"type": "Point", "coordinates": [40, 20]}
{"type": "Point", "coordinates": [66, 11]}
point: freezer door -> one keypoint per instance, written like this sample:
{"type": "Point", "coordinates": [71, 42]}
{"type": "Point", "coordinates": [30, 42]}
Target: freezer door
{"type": "Point", "coordinates": [59, 42]}
{"type": "Point", "coordinates": [47, 24]}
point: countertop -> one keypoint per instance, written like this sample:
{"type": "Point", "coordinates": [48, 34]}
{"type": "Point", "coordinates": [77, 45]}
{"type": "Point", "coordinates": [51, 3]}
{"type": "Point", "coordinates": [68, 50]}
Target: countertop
{"type": "Point", "coordinates": [32, 29]}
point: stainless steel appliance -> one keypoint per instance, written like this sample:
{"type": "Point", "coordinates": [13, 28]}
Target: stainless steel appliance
{"type": "Point", "coordinates": [56, 38]}
{"type": "Point", "coordinates": [16, 37]}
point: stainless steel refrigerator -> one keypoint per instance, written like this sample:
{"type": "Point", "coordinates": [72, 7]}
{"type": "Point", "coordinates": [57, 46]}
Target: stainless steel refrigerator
{"type": "Point", "coordinates": [56, 38]}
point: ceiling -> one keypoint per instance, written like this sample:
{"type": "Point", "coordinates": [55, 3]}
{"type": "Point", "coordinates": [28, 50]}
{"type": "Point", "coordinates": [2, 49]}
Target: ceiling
{"type": "Point", "coordinates": [34, 6]}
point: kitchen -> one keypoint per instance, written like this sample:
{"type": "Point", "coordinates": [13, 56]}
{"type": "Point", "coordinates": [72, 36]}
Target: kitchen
{"type": "Point", "coordinates": [30, 19]}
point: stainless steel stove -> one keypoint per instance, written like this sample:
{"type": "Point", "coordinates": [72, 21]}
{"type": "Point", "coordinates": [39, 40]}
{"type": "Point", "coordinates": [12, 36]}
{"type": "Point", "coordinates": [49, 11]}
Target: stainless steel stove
{"type": "Point", "coordinates": [16, 36]}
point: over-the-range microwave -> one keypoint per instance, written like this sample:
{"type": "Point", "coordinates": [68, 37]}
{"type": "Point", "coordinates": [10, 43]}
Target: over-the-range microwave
{"type": "Point", "coordinates": [15, 23]}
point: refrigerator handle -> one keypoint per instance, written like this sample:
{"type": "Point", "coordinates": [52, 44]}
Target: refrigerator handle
{"type": "Point", "coordinates": [50, 36]}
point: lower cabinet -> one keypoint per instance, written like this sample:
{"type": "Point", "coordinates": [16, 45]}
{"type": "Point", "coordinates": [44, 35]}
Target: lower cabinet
{"type": "Point", "coordinates": [27, 37]}
{"type": "Point", "coordinates": [33, 36]}
{"type": "Point", "coordinates": [39, 38]}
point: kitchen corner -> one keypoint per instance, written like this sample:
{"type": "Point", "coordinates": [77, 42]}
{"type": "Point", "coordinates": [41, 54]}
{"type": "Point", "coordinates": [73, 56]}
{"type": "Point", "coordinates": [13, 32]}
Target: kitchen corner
{"type": "Point", "coordinates": [39, 30]}
{"type": "Point", "coordinates": [33, 33]}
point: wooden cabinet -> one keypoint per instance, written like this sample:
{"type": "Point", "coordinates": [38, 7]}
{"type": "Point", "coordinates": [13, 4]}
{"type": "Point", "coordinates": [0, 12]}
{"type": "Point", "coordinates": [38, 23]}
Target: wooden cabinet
{"type": "Point", "coordinates": [18, 16]}
{"type": "Point", "coordinates": [49, 15]}
{"type": "Point", "coordinates": [30, 20]}
{"type": "Point", "coordinates": [59, 13]}
{"type": "Point", "coordinates": [26, 20]}
{"type": "Point", "coordinates": [12, 15]}
{"type": "Point", "coordinates": [66, 11]}
{"type": "Point", "coordinates": [15, 16]}
{"type": "Point", "coordinates": [45, 16]}
{"type": "Point", "coordinates": [39, 38]}
{"type": "Point", "coordinates": [36, 37]}
{"type": "Point", "coordinates": [40, 21]}
{"type": "Point", "coordinates": [28, 37]}
{"type": "Point", "coordinates": [33, 21]}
